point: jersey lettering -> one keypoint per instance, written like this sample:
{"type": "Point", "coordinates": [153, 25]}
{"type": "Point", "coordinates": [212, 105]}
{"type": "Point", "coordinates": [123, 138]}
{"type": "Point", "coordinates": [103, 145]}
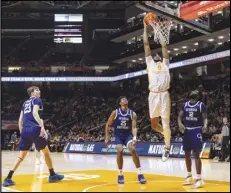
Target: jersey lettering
{"type": "Point", "coordinates": [123, 122]}
{"type": "Point", "coordinates": [193, 114]}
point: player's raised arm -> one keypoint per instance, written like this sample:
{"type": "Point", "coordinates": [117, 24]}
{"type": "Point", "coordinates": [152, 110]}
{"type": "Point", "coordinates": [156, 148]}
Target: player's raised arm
{"type": "Point", "coordinates": [108, 125]}
{"type": "Point", "coordinates": [147, 49]}
{"type": "Point", "coordinates": [165, 50]}
{"type": "Point", "coordinates": [134, 128]}
{"type": "Point", "coordinates": [20, 121]}
{"type": "Point", "coordinates": [165, 53]}
{"type": "Point", "coordinates": [179, 120]}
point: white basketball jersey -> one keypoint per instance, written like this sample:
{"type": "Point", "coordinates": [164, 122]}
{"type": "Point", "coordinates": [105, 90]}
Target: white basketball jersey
{"type": "Point", "coordinates": [158, 74]}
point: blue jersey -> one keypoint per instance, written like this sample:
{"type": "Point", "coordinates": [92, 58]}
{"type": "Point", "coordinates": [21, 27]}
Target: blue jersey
{"type": "Point", "coordinates": [193, 114]}
{"type": "Point", "coordinates": [27, 109]}
{"type": "Point", "coordinates": [123, 122]}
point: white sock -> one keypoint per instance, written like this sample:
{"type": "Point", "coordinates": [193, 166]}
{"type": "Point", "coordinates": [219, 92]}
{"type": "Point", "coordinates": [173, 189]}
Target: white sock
{"type": "Point", "coordinates": [139, 171]}
{"type": "Point", "coordinates": [189, 173]}
{"type": "Point", "coordinates": [120, 172]}
{"type": "Point", "coordinates": [198, 176]}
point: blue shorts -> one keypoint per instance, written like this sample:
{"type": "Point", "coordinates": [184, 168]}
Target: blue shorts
{"type": "Point", "coordinates": [28, 138]}
{"type": "Point", "coordinates": [123, 140]}
{"type": "Point", "coordinates": [192, 139]}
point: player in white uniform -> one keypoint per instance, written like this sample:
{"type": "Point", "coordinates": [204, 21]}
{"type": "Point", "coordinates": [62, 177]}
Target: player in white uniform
{"type": "Point", "coordinates": [159, 98]}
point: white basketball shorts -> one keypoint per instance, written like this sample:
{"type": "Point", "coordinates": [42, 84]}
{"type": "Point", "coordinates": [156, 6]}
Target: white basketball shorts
{"type": "Point", "coordinates": [159, 104]}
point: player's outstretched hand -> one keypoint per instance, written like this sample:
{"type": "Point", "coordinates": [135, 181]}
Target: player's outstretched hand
{"type": "Point", "coordinates": [181, 128]}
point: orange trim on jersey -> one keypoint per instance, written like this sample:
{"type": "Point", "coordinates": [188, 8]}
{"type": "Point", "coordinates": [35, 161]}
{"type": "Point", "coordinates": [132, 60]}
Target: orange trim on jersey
{"type": "Point", "coordinates": [159, 91]}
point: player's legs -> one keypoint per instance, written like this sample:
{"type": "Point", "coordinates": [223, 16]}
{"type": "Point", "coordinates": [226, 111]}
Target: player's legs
{"type": "Point", "coordinates": [165, 116]}
{"type": "Point", "coordinates": [198, 162]}
{"type": "Point", "coordinates": [41, 144]}
{"type": "Point", "coordinates": [188, 162]}
{"type": "Point", "coordinates": [119, 148]}
{"type": "Point", "coordinates": [187, 147]}
{"type": "Point", "coordinates": [199, 182]}
{"type": "Point", "coordinates": [136, 161]}
{"type": "Point", "coordinates": [135, 156]}
{"type": "Point", "coordinates": [8, 181]}
{"type": "Point", "coordinates": [24, 146]}
{"type": "Point", "coordinates": [154, 111]}
{"type": "Point", "coordinates": [193, 141]}
{"type": "Point", "coordinates": [156, 126]}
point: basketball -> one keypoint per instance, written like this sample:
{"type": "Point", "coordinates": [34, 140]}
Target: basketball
{"type": "Point", "coordinates": [149, 17]}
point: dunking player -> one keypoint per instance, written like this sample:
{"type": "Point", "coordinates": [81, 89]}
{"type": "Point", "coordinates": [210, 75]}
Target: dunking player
{"type": "Point", "coordinates": [124, 121]}
{"type": "Point", "coordinates": [159, 99]}
{"type": "Point", "coordinates": [195, 115]}
{"type": "Point", "coordinates": [32, 131]}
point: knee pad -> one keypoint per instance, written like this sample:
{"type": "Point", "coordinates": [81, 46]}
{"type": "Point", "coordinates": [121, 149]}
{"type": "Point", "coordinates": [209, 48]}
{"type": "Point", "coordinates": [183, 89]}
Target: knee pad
{"type": "Point", "coordinates": [166, 123]}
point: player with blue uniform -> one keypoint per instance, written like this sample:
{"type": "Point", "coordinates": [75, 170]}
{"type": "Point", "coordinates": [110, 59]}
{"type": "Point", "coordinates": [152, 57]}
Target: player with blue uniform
{"type": "Point", "coordinates": [194, 113]}
{"type": "Point", "coordinates": [32, 131]}
{"type": "Point", "coordinates": [124, 122]}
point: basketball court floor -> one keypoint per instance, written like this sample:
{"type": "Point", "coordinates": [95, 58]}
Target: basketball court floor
{"type": "Point", "coordinates": [95, 173]}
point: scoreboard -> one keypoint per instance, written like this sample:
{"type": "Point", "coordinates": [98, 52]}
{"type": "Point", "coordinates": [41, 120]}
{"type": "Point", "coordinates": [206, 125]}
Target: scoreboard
{"type": "Point", "coordinates": [68, 28]}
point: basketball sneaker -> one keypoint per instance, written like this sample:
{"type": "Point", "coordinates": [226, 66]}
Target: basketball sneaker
{"type": "Point", "coordinates": [8, 182]}
{"type": "Point", "coordinates": [165, 155]}
{"type": "Point", "coordinates": [141, 179]}
{"type": "Point", "coordinates": [55, 178]}
{"type": "Point", "coordinates": [120, 179]}
{"type": "Point", "coordinates": [187, 180]}
{"type": "Point", "coordinates": [198, 183]}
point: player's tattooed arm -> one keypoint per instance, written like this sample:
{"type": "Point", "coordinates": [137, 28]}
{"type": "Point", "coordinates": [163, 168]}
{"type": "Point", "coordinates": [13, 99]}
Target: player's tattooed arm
{"type": "Point", "coordinates": [179, 120]}
{"type": "Point", "coordinates": [20, 122]}
{"type": "Point", "coordinates": [134, 128]}
{"type": "Point", "coordinates": [108, 126]}
{"type": "Point", "coordinates": [36, 115]}
{"type": "Point", "coordinates": [147, 49]}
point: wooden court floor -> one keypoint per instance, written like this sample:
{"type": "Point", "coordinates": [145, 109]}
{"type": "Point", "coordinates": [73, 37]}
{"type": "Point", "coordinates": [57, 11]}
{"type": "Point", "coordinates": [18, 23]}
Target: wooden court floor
{"type": "Point", "coordinates": [95, 173]}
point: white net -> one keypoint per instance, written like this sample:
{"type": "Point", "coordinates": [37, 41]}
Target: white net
{"type": "Point", "coordinates": [161, 27]}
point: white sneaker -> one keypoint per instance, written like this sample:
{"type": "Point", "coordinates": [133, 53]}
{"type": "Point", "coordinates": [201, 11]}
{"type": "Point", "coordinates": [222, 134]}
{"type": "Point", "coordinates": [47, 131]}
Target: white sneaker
{"type": "Point", "coordinates": [165, 155]}
{"type": "Point", "coordinates": [188, 180]}
{"type": "Point", "coordinates": [198, 184]}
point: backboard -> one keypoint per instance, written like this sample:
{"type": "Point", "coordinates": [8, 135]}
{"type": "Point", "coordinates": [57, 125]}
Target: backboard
{"type": "Point", "coordinates": [189, 14]}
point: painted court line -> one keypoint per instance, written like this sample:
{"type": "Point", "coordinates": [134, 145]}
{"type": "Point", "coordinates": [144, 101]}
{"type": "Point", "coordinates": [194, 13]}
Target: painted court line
{"type": "Point", "coordinates": [4, 189]}
{"type": "Point", "coordinates": [131, 182]}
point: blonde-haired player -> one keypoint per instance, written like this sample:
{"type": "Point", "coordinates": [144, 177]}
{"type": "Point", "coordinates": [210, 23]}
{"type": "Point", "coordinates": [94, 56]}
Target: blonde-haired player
{"type": "Point", "coordinates": [159, 98]}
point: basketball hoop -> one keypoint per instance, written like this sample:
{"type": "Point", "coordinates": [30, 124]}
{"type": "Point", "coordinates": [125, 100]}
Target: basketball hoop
{"type": "Point", "coordinates": [161, 27]}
